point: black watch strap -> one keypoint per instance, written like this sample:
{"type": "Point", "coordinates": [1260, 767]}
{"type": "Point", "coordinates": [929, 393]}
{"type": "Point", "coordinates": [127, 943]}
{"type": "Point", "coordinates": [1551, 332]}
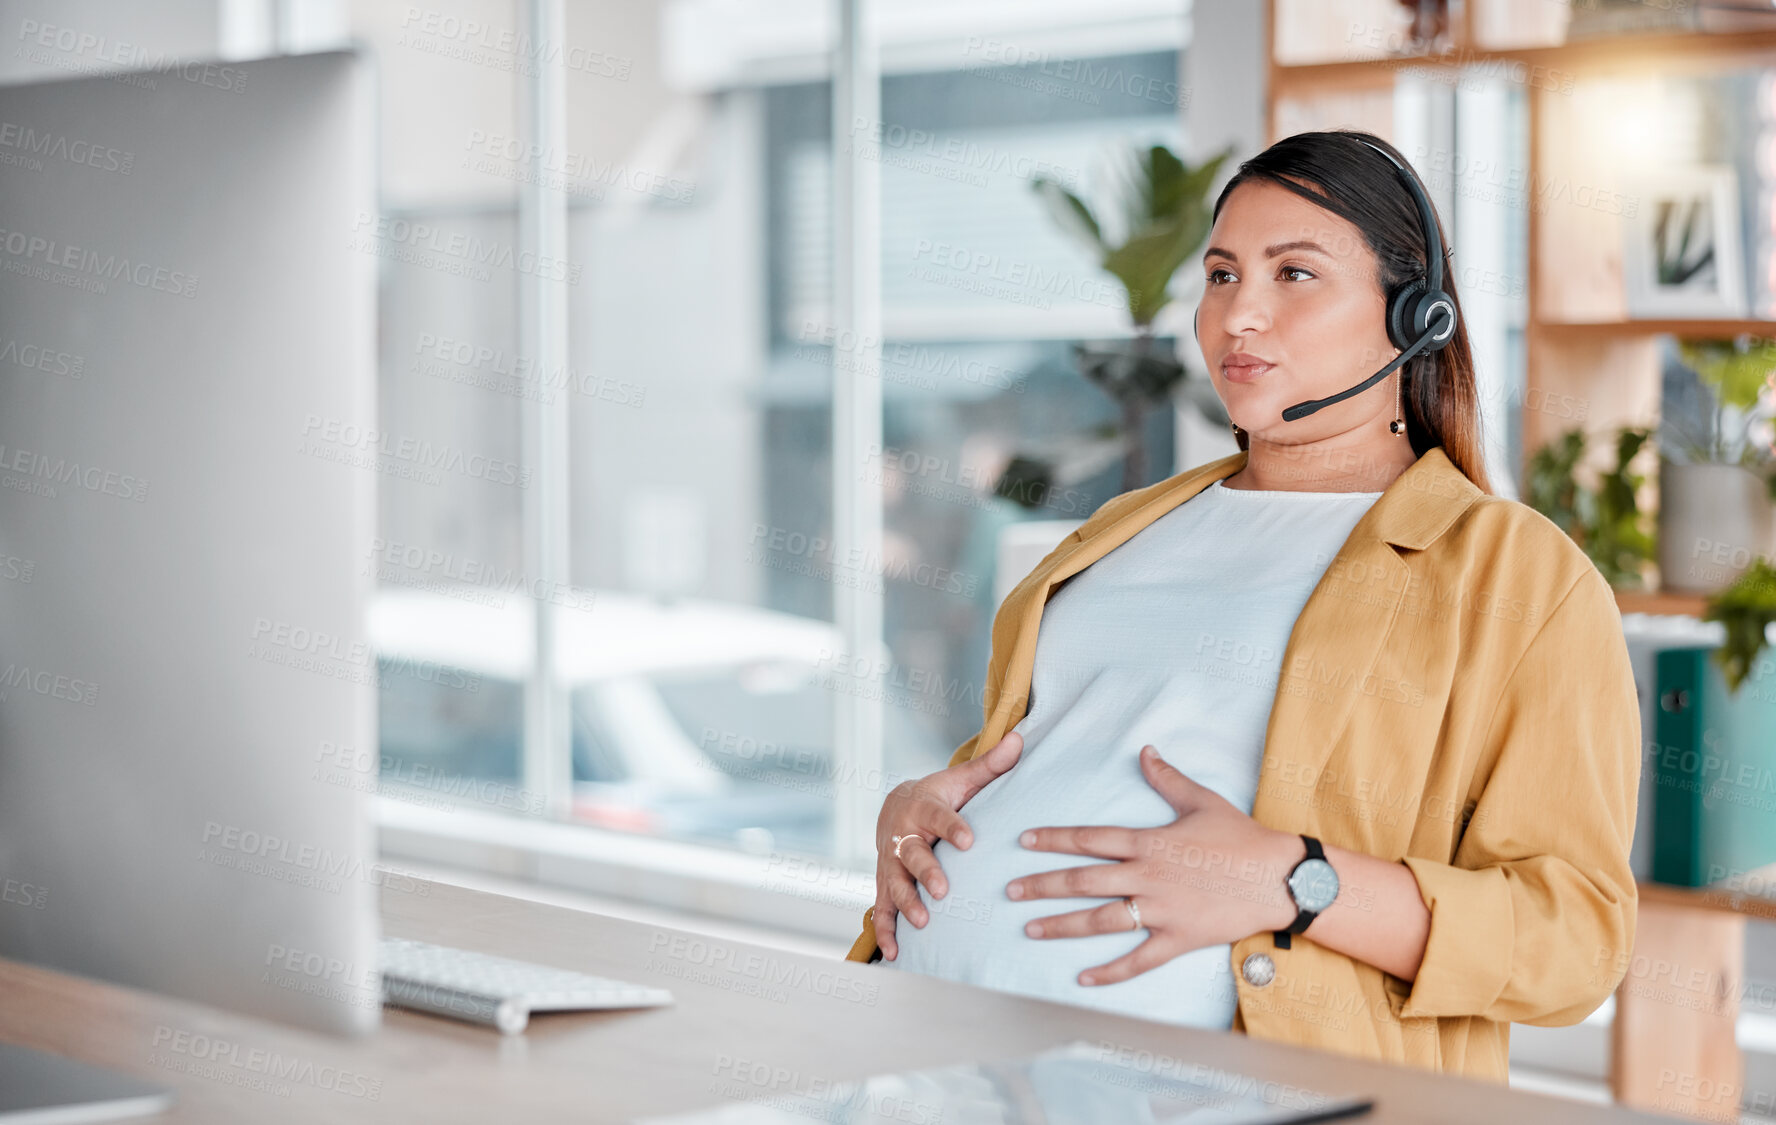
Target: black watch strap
{"type": "Point", "coordinates": [1303, 918]}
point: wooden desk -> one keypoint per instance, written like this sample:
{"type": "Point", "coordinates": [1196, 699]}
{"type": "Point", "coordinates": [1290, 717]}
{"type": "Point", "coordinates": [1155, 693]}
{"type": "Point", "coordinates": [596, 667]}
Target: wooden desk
{"type": "Point", "coordinates": [839, 1021]}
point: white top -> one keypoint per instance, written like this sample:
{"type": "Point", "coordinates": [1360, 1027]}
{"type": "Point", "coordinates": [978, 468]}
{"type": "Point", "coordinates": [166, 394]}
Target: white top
{"type": "Point", "coordinates": [1175, 638]}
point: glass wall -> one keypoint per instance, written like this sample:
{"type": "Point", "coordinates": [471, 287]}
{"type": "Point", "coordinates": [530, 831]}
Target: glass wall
{"type": "Point", "coordinates": [448, 559]}
{"type": "Point", "coordinates": [698, 650]}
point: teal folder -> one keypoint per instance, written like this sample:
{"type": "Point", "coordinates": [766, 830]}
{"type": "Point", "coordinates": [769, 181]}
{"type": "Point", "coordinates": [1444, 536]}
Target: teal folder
{"type": "Point", "coordinates": [1713, 759]}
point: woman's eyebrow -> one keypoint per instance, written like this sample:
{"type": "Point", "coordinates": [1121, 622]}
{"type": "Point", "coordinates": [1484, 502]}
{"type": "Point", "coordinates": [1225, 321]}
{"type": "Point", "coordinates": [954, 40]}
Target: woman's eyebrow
{"type": "Point", "coordinates": [1269, 251]}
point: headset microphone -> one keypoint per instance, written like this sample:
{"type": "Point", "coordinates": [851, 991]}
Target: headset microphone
{"type": "Point", "coordinates": [1421, 316]}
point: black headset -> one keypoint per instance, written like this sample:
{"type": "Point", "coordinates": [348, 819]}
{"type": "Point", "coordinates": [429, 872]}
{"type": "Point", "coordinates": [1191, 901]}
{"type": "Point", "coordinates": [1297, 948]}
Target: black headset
{"type": "Point", "coordinates": [1421, 317]}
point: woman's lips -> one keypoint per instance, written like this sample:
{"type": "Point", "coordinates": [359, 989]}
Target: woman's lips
{"type": "Point", "coordinates": [1245, 372]}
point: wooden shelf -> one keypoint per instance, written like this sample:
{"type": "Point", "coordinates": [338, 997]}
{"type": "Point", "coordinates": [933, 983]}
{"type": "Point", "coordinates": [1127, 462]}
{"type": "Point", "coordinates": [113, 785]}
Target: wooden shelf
{"type": "Point", "coordinates": [1661, 601]}
{"type": "Point", "coordinates": [1685, 328]}
{"type": "Point", "coordinates": [1717, 899]}
{"type": "Point", "coordinates": [1665, 52]}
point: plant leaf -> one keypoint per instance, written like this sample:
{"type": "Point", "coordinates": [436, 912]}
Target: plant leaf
{"type": "Point", "coordinates": [1072, 215]}
{"type": "Point", "coordinates": [1165, 217]}
{"type": "Point", "coordinates": [1166, 181]}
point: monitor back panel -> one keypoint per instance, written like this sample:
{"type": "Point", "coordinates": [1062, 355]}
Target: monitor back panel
{"type": "Point", "coordinates": [187, 497]}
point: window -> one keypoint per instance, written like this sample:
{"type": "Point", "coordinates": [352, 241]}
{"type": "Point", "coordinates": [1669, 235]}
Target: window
{"type": "Point", "coordinates": [698, 662]}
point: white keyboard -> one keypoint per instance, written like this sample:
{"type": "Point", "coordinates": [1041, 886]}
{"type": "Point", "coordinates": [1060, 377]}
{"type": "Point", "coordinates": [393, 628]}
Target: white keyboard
{"type": "Point", "coordinates": [496, 990]}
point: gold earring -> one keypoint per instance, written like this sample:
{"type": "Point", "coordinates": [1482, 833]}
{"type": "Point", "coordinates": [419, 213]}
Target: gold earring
{"type": "Point", "coordinates": [1398, 425]}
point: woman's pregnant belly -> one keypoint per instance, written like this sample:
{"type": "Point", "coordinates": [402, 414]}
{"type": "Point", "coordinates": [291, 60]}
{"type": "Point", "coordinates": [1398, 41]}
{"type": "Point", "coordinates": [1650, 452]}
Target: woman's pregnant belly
{"type": "Point", "coordinates": [975, 934]}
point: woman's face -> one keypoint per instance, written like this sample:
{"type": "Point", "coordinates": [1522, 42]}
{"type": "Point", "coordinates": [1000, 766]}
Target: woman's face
{"type": "Point", "coordinates": [1297, 287]}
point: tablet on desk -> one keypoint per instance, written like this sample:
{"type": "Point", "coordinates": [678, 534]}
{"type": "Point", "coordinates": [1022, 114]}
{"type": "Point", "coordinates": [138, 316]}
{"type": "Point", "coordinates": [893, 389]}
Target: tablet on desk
{"type": "Point", "coordinates": [1079, 1083]}
{"type": "Point", "coordinates": [38, 1088]}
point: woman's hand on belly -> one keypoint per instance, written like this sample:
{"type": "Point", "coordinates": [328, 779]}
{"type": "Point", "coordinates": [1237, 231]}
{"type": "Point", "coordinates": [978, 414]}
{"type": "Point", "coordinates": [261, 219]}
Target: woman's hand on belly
{"type": "Point", "coordinates": [1212, 876]}
{"type": "Point", "coordinates": [926, 811]}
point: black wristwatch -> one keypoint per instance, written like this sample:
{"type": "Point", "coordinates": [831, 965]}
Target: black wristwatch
{"type": "Point", "coordinates": [1313, 884]}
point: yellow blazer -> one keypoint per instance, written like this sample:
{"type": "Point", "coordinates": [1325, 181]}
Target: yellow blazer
{"type": "Point", "coordinates": [1456, 695]}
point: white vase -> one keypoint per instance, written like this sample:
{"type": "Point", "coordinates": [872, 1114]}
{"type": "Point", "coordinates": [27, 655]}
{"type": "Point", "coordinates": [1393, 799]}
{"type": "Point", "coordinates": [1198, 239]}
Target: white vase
{"type": "Point", "coordinates": [1714, 521]}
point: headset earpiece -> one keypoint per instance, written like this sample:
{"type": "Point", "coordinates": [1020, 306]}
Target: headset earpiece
{"type": "Point", "coordinates": [1412, 310]}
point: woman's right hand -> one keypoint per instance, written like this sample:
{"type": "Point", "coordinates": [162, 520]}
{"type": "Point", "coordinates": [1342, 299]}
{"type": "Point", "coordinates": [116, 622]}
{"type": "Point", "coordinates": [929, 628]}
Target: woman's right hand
{"type": "Point", "coordinates": [926, 810]}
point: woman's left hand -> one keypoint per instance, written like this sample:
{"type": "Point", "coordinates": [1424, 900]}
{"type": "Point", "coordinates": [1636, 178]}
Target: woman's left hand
{"type": "Point", "coordinates": [1210, 877]}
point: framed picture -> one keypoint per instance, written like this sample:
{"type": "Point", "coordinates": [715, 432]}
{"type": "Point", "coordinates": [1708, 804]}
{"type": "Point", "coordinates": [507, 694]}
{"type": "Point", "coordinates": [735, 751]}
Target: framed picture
{"type": "Point", "coordinates": [1680, 255]}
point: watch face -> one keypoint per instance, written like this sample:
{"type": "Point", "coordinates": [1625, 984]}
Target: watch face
{"type": "Point", "coordinates": [1314, 885]}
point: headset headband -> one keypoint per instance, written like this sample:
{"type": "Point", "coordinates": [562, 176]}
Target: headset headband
{"type": "Point", "coordinates": [1427, 219]}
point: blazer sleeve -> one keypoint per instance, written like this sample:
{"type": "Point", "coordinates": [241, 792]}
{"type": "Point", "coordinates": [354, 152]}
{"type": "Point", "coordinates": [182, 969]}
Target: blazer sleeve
{"type": "Point", "coordinates": [1533, 922]}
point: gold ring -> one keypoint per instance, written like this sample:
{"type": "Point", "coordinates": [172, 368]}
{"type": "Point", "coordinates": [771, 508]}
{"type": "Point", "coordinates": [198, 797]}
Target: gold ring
{"type": "Point", "coordinates": [897, 843]}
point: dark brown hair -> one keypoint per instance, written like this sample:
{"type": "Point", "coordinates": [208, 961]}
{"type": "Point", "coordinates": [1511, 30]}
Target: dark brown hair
{"type": "Point", "coordinates": [1336, 171]}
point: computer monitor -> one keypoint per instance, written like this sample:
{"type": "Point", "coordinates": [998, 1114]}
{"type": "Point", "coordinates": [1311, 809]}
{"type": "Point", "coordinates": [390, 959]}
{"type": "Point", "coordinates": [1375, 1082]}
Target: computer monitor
{"type": "Point", "coordinates": [188, 466]}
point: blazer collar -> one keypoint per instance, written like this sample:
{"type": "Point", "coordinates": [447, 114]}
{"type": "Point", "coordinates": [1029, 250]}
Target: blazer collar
{"type": "Point", "coordinates": [1413, 511]}
{"type": "Point", "coordinates": [1335, 641]}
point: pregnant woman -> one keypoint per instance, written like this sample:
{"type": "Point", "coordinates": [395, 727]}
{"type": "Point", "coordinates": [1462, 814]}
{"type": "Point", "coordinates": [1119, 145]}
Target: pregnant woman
{"type": "Point", "coordinates": [1322, 741]}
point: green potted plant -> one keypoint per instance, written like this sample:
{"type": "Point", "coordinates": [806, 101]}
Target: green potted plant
{"type": "Point", "coordinates": [1746, 609]}
{"type": "Point", "coordinates": [1161, 218]}
{"type": "Point", "coordinates": [1605, 520]}
{"type": "Point", "coordinates": [1717, 471]}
